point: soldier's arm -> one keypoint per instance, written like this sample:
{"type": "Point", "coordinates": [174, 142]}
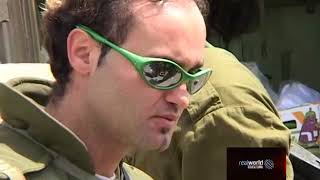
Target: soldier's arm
{"type": "Point", "coordinates": [204, 151]}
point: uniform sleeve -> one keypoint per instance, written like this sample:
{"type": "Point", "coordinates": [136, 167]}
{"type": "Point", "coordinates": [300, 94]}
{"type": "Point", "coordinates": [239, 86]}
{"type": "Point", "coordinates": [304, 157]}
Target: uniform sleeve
{"type": "Point", "coordinates": [204, 146]}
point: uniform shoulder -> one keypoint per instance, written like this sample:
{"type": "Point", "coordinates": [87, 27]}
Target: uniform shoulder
{"type": "Point", "coordinates": [230, 74]}
{"type": "Point", "coordinates": [135, 173]}
{"type": "Point", "coordinates": [227, 70]}
{"type": "Point", "coordinates": [19, 153]}
{"type": "Point", "coordinates": [218, 54]}
{"type": "Point", "coordinates": [232, 82]}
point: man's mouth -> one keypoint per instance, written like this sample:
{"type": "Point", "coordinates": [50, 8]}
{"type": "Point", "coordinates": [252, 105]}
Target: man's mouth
{"type": "Point", "coordinates": [166, 121]}
{"type": "Point", "coordinates": [168, 117]}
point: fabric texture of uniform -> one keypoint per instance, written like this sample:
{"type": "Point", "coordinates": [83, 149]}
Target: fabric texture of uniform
{"type": "Point", "coordinates": [232, 110]}
{"type": "Point", "coordinates": [36, 146]}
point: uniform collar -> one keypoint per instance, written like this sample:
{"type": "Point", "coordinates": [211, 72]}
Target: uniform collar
{"type": "Point", "coordinates": [22, 104]}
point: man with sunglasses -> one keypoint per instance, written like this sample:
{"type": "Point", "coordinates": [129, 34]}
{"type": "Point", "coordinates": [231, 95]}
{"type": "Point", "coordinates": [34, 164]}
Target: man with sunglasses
{"type": "Point", "coordinates": [124, 71]}
{"type": "Point", "coordinates": [232, 110]}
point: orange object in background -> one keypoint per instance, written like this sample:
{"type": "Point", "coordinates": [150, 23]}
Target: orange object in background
{"type": "Point", "coordinates": [299, 115]}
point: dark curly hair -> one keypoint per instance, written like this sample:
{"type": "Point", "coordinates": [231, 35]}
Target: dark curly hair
{"type": "Point", "coordinates": [112, 18]}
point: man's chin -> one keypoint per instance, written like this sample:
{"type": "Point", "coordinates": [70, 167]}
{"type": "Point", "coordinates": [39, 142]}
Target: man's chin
{"type": "Point", "coordinates": [157, 142]}
{"type": "Point", "coordinates": [165, 142]}
{"type": "Point", "coordinates": [163, 147]}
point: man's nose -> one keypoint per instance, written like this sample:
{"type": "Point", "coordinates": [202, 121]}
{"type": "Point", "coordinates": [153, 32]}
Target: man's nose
{"type": "Point", "coordinates": [179, 96]}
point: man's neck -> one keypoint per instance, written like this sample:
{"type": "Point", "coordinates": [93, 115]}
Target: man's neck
{"type": "Point", "coordinates": [106, 156]}
{"type": "Point", "coordinates": [104, 152]}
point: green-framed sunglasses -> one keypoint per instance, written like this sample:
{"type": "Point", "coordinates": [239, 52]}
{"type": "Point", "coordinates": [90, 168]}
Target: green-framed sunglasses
{"type": "Point", "coordinates": [158, 73]}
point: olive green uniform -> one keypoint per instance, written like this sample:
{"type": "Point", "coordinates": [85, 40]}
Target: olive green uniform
{"type": "Point", "coordinates": [232, 110]}
{"type": "Point", "coordinates": [35, 146]}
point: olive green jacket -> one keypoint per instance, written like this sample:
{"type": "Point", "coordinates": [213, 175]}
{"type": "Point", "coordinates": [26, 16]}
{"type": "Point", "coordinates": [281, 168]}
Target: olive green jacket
{"type": "Point", "coordinates": [35, 146]}
{"type": "Point", "coordinates": [232, 110]}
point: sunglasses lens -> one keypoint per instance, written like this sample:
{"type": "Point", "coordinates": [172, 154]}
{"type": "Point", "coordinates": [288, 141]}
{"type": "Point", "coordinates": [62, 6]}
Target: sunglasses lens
{"type": "Point", "coordinates": [162, 74]}
{"type": "Point", "coordinates": [196, 84]}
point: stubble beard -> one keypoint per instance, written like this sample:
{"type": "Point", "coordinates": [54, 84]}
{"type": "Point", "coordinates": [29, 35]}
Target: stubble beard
{"type": "Point", "coordinates": [166, 140]}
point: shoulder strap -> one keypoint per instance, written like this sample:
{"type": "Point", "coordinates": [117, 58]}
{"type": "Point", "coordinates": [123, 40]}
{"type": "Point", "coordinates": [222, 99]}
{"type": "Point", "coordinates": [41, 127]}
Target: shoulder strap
{"type": "Point", "coordinates": [8, 171]}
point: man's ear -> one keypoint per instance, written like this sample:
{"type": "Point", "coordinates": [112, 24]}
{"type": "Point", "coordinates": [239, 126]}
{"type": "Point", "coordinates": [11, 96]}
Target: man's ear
{"type": "Point", "coordinates": [83, 52]}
